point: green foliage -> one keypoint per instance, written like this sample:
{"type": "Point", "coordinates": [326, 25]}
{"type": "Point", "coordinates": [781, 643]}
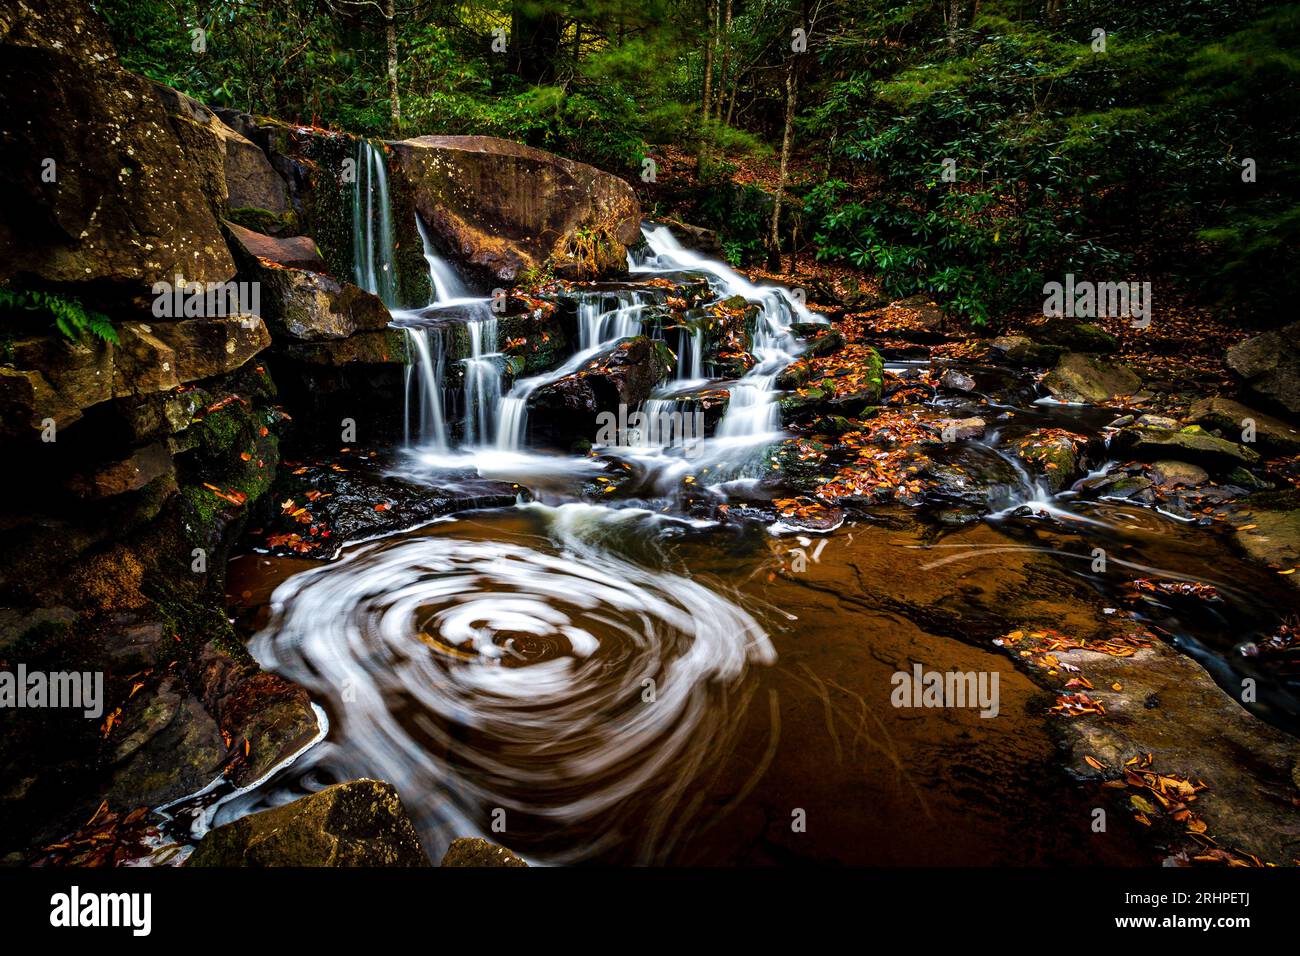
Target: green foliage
{"type": "Point", "coordinates": [71, 318]}
{"type": "Point", "coordinates": [1068, 158]}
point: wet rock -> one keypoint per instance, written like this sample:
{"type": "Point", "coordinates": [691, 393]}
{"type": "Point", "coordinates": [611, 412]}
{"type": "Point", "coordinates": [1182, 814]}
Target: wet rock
{"type": "Point", "coordinates": [1178, 474]}
{"type": "Point", "coordinates": [1075, 336]}
{"type": "Point", "coordinates": [1170, 707]}
{"type": "Point", "coordinates": [1128, 484]}
{"type": "Point", "coordinates": [1270, 366]}
{"type": "Point", "coordinates": [359, 823]}
{"type": "Point", "coordinates": [474, 851]}
{"type": "Point", "coordinates": [268, 718]}
{"type": "Point", "coordinates": [957, 381]}
{"type": "Point", "coordinates": [49, 377]}
{"type": "Point", "coordinates": [379, 347]}
{"type": "Point", "coordinates": [1052, 454]}
{"type": "Point", "coordinates": [623, 375]}
{"type": "Point", "coordinates": [703, 240]}
{"type": "Point", "coordinates": [322, 506]}
{"type": "Point", "coordinates": [1275, 541]}
{"type": "Point", "coordinates": [1232, 419]}
{"type": "Point", "coordinates": [1024, 351]}
{"type": "Point", "coordinates": [1191, 445]}
{"type": "Point", "coordinates": [961, 429]}
{"type": "Point", "coordinates": [132, 473]}
{"type": "Point", "coordinates": [129, 207]}
{"type": "Point", "coordinates": [1157, 421]}
{"type": "Point", "coordinates": [309, 306]}
{"type": "Point", "coordinates": [819, 339]}
{"type": "Point", "coordinates": [1089, 380]}
{"type": "Point", "coordinates": [296, 252]}
{"type": "Point", "coordinates": [504, 208]}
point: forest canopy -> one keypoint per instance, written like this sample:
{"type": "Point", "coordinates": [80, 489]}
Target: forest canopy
{"type": "Point", "coordinates": [967, 150]}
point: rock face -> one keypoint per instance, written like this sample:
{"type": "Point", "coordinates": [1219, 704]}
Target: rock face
{"type": "Point", "coordinates": [474, 851]}
{"type": "Point", "coordinates": [1270, 366]}
{"type": "Point", "coordinates": [51, 379]}
{"type": "Point", "coordinates": [359, 823]}
{"type": "Point", "coordinates": [1083, 378]}
{"type": "Point", "coordinates": [100, 189]}
{"type": "Point", "coordinates": [502, 208]}
{"type": "Point", "coordinates": [236, 171]}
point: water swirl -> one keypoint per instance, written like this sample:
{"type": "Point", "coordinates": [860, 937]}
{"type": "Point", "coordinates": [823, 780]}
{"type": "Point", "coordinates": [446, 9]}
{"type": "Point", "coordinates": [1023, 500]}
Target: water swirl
{"type": "Point", "coordinates": [563, 689]}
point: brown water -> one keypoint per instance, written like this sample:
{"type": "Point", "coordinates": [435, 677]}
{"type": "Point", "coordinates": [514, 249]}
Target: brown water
{"type": "Point", "coordinates": [770, 738]}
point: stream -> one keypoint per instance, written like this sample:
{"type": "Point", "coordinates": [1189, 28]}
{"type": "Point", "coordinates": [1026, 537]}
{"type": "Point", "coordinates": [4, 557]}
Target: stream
{"type": "Point", "coordinates": [641, 682]}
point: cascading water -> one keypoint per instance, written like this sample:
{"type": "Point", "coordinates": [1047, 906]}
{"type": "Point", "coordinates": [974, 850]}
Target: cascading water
{"type": "Point", "coordinates": [372, 225]}
{"type": "Point", "coordinates": [482, 380]}
{"type": "Point", "coordinates": [598, 329]}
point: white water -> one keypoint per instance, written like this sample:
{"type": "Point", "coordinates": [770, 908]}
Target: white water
{"type": "Point", "coordinates": [372, 225]}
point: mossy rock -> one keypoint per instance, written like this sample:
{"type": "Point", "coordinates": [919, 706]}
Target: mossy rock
{"type": "Point", "coordinates": [359, 823]}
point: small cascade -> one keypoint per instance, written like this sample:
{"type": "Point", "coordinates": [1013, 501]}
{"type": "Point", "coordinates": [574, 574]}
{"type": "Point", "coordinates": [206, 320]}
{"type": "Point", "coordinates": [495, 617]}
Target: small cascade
{"type": "Point", "coordinates": [598, 328]}
{"type": "Point", "coordinates": [445, 285]}
{"type": "Point", "coordinates": [372, 225]}
{"type": "Point", "coordinates": [690, 355]}
{"type": "Point", "coordinates": [753, 416]}
{"type": "Point", "coordinates": [423, 391]}
{"type": "Point", "coordinates": [482, 380]}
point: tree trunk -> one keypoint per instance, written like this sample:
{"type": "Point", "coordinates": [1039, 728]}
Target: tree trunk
{"type": "Point", "coordinates": [706, 99]}
{"type": "Point", "coordinates": [725, 40]}
{"type": "Point", "coordinates": [774, 240]}
{"type": "Point", "coordinates": [536, 36]}
{"type": "Point", "coordinates": [390, 37]}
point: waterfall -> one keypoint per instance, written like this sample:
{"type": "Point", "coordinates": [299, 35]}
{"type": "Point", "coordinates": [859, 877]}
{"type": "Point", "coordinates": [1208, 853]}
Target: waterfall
{"type": "Point", "coordinates": [690, 355]}
{"type": "Point", "coordinates": [482, 380]}
{"type": "Point", "coordinates": [598, 329]}
{"type": "Point", "coordinates": [444, 284]}
{"type": "Point", "coordinates": [423, 378]}
{"type": "Point", "coordinates": [752, 412]}
{"type": "Point", "coordinates": [372, 225]}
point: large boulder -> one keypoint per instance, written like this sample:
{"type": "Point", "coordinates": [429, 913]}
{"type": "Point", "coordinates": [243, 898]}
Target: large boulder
{"type": "Point", "coordinates": [359, 823]}
{"type": "Point", "coordinates": [1270, 366]}
{"type": "Point", "coordinates": [1191, 445]}
{"type": "Point", "coordinates": [99, 187]}
{"type": "Point", "coordinates": [502, 208]}
{"type": "Point", "coordinates": [1233, 419]}
{"type": "Point", "coordinates": [1089, 380]}
{"type": "Point", "coordinates": [237, 172]}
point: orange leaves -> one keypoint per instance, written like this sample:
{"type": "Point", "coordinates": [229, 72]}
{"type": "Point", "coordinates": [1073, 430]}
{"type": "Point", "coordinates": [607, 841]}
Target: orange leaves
{"type": "Point", "coordinates": [1206, 592]}
{"type": "Point", "coordinates": [1077, 705]}
{"type": "Point", "coordinates": [107, 839]}
{"type": "Point", "coordinates": [235, 497]}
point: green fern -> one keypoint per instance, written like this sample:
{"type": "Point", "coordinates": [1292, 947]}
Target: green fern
{"type": "Point", "coordinates": [71, 318]}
